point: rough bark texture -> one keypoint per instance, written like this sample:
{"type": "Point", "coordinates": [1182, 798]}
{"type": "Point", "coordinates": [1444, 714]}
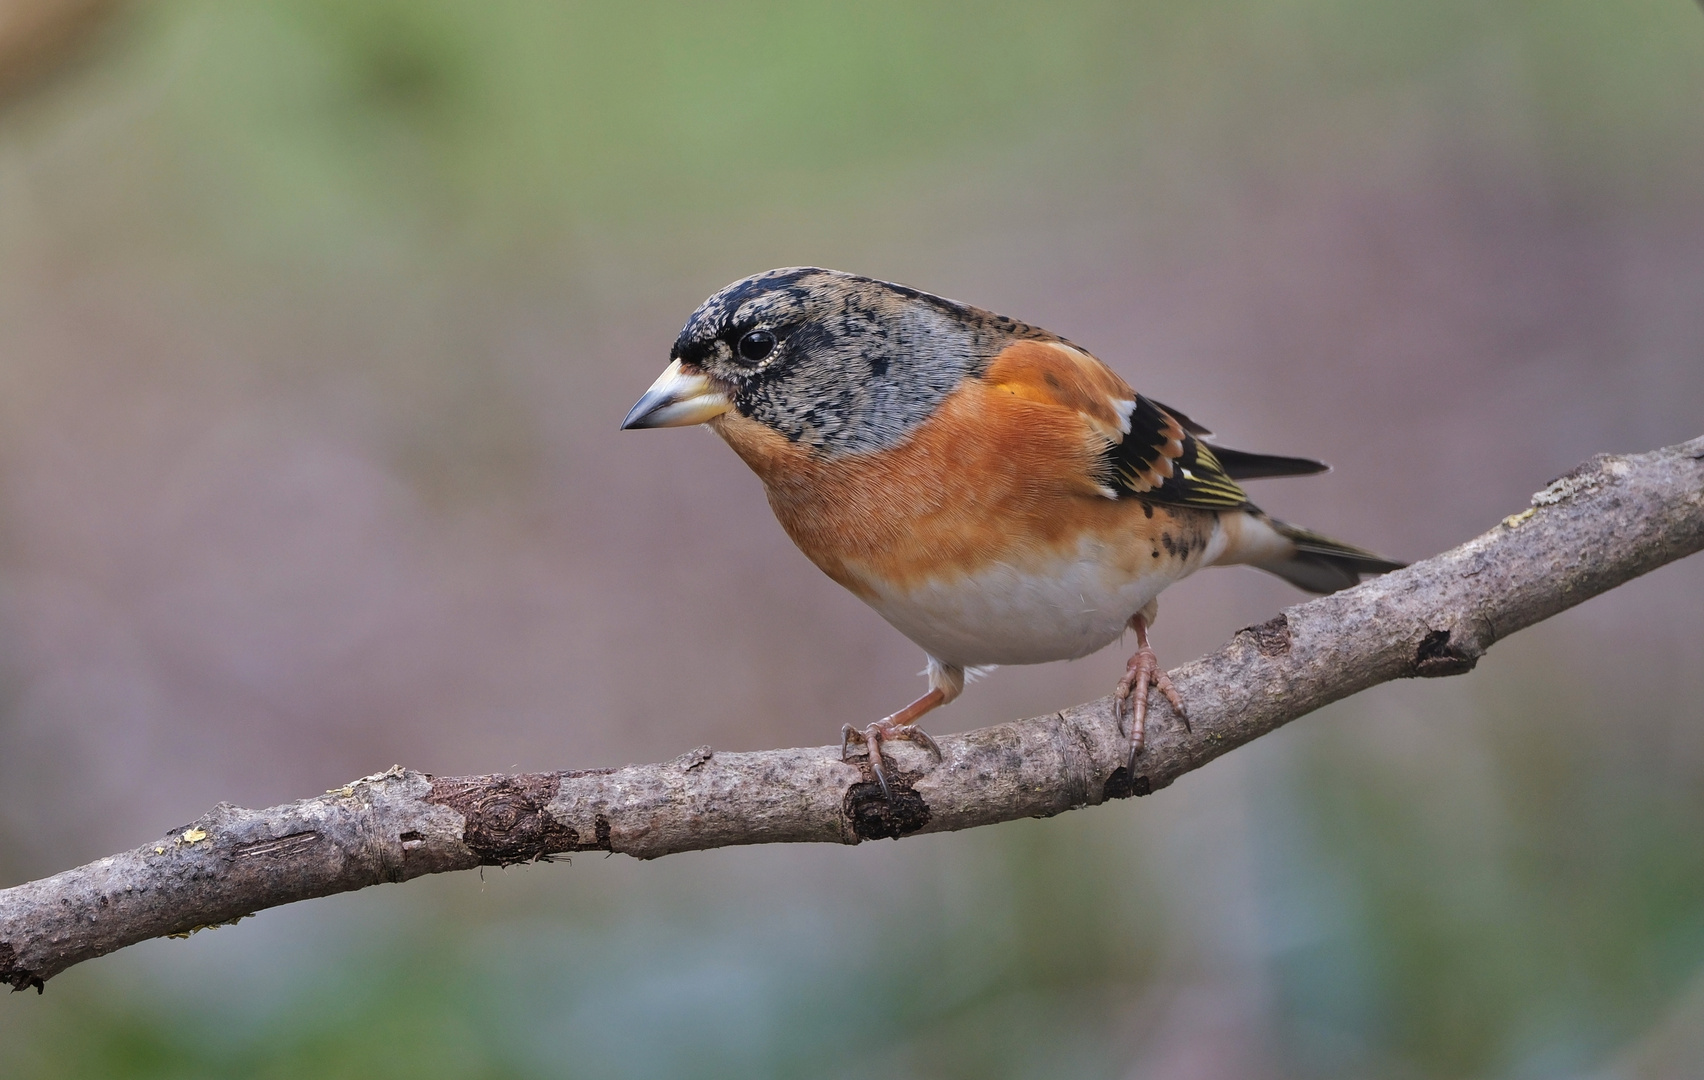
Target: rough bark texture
{"type": "Point", "coordinates": [1607, 521]}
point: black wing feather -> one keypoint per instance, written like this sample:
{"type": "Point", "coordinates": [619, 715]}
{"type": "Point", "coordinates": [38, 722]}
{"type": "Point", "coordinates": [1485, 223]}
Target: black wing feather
{"type": "Point", "coordinates": [1185, 422]}
{"type": "Point", "coordinates": [1197, 478]}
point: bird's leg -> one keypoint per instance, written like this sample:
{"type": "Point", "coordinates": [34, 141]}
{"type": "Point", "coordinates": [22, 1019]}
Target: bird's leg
{"type": "Point", "coordinates": [1142, 672]}
{"type": "Point", "coordinates": [901, 725]}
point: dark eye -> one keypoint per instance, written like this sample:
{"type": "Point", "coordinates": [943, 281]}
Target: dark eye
{"type": "Point", "coordinates": [756, 345]}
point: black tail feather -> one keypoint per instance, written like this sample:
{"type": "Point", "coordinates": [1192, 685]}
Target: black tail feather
{"type": "Point", "coordinates": [1242, 465]}
{"type": "Point", "coordinates": [1324, 565]}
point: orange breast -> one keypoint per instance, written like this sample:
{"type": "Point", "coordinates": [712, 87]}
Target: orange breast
{"type": "Point", "coordinates": [994, 476]}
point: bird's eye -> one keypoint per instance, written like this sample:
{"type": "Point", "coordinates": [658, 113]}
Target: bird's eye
{"type": "Point", "coordinates": [755, 346]}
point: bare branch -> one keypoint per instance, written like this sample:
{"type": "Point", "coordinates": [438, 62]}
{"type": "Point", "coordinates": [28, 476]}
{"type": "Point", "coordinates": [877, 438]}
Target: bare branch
{"type": "Point", "coordinates": [1606, 522]}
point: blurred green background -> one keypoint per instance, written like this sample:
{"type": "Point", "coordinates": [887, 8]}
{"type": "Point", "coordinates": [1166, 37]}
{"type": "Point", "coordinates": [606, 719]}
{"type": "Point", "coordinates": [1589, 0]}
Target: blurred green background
{"type": "Point", "coordinates": [317, 319]}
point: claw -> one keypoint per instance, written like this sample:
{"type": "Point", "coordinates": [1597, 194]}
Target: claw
{"type": "Point", "coordinates": [872, 737]}
{"type": "Point", "coordinates": [901, 725]}
{"type": "Point", "coordinates": [922, 738]}
{"type": "Point", "coordinates": [873, 743]}
{"type": "Point", "coordinates": [1142, 673]}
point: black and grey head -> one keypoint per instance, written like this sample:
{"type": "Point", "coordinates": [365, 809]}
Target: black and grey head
{"type": "Point", "coordinates": [838, 362]}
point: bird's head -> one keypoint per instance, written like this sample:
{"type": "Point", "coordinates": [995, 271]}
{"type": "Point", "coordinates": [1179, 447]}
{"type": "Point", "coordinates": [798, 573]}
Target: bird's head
{"type": "Point", "coordinates": [832, 361]}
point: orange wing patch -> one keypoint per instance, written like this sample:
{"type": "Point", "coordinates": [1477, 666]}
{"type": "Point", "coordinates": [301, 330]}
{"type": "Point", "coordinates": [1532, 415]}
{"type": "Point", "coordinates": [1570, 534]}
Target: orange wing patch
{"type": "Point", "coordinates": [1138, 447]}
{"type": "Point", "coordinates": [1056, 374]}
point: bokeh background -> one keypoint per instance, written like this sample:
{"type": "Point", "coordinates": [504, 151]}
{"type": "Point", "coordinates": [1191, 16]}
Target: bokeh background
{"type": "Point", "coordinates": [317, 320]}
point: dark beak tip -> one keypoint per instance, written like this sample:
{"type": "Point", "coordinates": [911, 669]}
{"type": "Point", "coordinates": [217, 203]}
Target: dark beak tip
{"type": "Point", "coordinates": [635, 418]}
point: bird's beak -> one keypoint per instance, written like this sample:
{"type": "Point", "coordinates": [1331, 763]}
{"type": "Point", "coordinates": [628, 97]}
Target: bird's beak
{"type": "Point", "coordinates": [679, 397]}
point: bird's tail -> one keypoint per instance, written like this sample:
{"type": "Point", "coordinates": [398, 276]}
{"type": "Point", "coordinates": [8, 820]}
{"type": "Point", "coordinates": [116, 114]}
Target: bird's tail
{"type": "Point", "coordinates": [1304, 558]}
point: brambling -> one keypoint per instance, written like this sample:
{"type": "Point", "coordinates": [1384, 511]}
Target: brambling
{"type": "Point", "coordinates": [993, 490]}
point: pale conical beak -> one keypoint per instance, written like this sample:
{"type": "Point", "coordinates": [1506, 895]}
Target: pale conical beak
{"type": "Point", "coordinates": [678, 398]}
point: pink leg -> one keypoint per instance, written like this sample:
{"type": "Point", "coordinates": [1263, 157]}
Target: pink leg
{"type": "Point", "coordinates": [1142, 672]}
{"type": "Point", "coordinates": [901, 725]}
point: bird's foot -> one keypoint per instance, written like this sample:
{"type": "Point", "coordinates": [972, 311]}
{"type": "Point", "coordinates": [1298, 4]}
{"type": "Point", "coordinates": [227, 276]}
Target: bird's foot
{"type": "Point", "coordinates": [1142, 673]}
{"type": "Point", "coordinates": [872, 738]}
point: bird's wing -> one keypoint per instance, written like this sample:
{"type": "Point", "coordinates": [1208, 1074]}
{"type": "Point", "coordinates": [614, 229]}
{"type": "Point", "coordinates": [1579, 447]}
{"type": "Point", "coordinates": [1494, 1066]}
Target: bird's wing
{"type": "Point", "coordinates": [1242, 465]}
{"type": "Point", "coordinates": [1162, 462]}
{"type": "Point", "coordinates": [1142, 449]}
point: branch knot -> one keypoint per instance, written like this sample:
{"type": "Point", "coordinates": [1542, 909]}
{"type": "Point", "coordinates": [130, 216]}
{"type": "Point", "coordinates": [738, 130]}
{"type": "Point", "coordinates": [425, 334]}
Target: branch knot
{"type": "Point", "coordinates": [1437, 657]}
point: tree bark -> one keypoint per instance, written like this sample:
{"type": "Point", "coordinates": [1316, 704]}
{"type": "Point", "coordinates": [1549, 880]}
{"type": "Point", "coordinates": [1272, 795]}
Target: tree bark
{"type": "Point", "coordinates": [1606, 522]}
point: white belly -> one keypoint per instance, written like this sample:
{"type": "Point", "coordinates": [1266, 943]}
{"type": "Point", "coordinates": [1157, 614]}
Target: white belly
{"type": "Point", "coordinates": [1007, 613]}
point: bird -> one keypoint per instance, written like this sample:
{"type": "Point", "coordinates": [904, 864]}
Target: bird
{"type": "Point", "coordinates": [993, 490]}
